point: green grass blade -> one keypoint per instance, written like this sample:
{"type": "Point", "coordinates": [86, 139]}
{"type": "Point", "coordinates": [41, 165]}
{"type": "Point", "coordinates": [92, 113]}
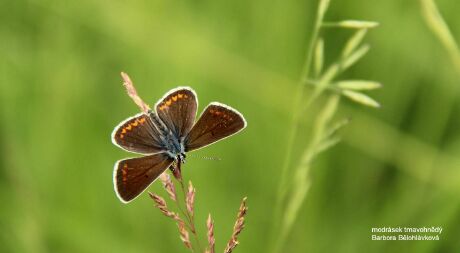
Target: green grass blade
{"type": "Point", "coordinates": [438, 26]}
{"type": "Point", "coordinates": [353, 42]}
{"type": "Point", "coordinates": [352, 24]}
{"type": "Point", "coordinates": [360, 98]}
{"type": "Point", "coordinates": [358, 85]}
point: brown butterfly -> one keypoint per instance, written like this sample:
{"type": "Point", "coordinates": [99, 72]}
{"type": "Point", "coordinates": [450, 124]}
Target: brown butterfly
{"type": "Point", "coordinates": [165, 135]}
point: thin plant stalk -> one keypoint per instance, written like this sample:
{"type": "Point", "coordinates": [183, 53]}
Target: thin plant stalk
{"type": "Point", "coordinates": [191, 219]}
{"type": "Point", "coordinates": [188, 215]}
{"type": "Point", "coordinates": [294, 125]}
{"type": "Point", "coordinates": [438, 26]}
{"type": "Point", "coordinates": [440, 29]}
{"type": "Point", "coordinates": [301, 179]}
{"type": "Point", "coordinates": [291, 194]}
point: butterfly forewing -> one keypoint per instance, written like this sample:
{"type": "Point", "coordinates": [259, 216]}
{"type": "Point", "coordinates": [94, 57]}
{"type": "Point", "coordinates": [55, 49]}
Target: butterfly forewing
{"type": "Point", "coordinates": [177, 110]}
{"type": "Point", "coordinates": [215, 123]}
{"type": "Point", "coordinates": [133, 176]}
{"type": "Point", "coordinates": [162, 136]}
{"type": "Point", "coordinates": [137, 134]}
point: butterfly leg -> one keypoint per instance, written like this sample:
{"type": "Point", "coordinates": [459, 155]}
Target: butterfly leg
{"type": "Point", "coordinates": [176, 170]}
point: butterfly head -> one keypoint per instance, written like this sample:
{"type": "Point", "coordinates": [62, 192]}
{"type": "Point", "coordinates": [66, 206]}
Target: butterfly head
{"type": "Point", "coordinates": [181, 158]}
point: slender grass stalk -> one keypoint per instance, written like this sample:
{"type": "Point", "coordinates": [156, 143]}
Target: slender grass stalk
{"type": "Point", "coordinates": [319, 57]}
{"type": "Point", "coordinates": [301, 181]}
{"type": "Point", "coordinates": [238, 227]}
{"type": "Point", "coordinates": [294, 124]}
{"type": "Point", "coordinates": [211, 239]}
{"type": "Point", "coordinates": [322, 8]}
{"type": "Point", "coordinates": [293, 189]}
{"type": "Point", "coordinates": [438, 26]}
{"type": "Point", "coordinates": [440, 29]}
{"type": "Point", "coordinates": [190, 216]}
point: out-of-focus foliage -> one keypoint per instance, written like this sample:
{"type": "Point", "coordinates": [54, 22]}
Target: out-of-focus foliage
{"type": "Point", "coordinates": [61, 96]}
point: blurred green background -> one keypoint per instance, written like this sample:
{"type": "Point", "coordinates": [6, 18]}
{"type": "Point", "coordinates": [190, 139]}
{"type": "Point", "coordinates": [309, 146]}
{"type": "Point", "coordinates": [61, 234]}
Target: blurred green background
{"type": "Point", "coordinates": [61, 96]}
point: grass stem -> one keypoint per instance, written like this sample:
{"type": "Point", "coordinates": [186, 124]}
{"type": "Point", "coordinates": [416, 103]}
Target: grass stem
{"type": "Point", "coordinates": [189, 216]}
{"type": "Point", "coordinates": [294, 124]}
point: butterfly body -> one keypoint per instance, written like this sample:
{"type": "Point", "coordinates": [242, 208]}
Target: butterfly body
{"type": "Point", "coordinates": [165, 135]}
{"type": "Point", "coordinates": [170, 142]}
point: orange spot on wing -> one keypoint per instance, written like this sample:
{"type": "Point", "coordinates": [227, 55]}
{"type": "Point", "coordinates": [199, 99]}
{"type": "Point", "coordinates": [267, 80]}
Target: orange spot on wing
{"type": "Point", "coordinates": [124, 173]}
{"type": "Point", "coordinates": [128, 127]}
{"type": "Point", "coordinates": [168, 103]}
{"type": "Point", "coordinates": [180, 95]}
{"type": "Point", "coordinates": [174, 98]}
{"type": "Point", "coordinates": [142, 120]}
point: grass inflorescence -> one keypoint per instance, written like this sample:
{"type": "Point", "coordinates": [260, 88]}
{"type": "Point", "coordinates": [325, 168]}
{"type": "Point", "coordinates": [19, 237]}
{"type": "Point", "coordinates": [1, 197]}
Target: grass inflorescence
{"type": "Point", "coordinates": [187, 225]}
{"type": "Point", "coordinates": [185, 216]}
{"type": "Point", "coordinates": [322, 81]}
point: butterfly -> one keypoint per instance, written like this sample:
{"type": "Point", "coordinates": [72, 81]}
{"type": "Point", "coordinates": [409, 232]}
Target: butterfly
{"type": "Point", "coordinates": [164, 135]}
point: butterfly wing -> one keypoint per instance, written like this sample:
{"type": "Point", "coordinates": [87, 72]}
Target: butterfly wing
{"type": "Point", "coordinates": [177, 110]}
{"type": "Point", "coordinates": [137, 134]}
{"type": "Point", "coordinates": [215, 123]}
{"type": "Point", "coordinates": [132, 176]}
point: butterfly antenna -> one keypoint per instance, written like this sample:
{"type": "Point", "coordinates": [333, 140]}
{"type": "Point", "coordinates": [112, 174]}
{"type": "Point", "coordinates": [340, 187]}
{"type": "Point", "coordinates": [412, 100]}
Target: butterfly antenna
{"type": "Point", "coordinates": [206, 157]}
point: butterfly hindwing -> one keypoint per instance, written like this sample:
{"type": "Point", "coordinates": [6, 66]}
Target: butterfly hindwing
{"type": "Point", "coordinates": [137, 134]}
{"type": "Point", "coordinates": [132, 176]}
{"type": "Point", "coordinates": [177, 110]}
{"type": "Point", "coordinates": [215, 123]}
{"type": "Point", "coordinates": [164, 136]}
